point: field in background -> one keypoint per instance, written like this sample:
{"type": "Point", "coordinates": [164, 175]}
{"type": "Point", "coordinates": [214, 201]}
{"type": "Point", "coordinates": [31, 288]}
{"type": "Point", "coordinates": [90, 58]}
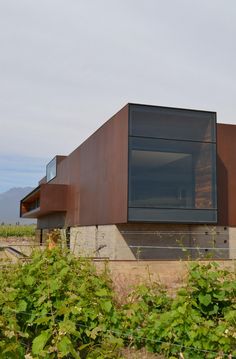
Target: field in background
{"type": "Point", "coordinates": [7, 231]}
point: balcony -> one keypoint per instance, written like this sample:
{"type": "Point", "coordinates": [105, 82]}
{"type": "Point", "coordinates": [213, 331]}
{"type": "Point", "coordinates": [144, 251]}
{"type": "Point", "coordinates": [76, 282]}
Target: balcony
{"type": "Point", "coordinates": [46, 198]}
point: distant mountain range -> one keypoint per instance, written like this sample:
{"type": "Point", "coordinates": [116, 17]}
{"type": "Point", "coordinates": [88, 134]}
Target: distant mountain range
{"type": "Point", "coordinates": [10, 206]}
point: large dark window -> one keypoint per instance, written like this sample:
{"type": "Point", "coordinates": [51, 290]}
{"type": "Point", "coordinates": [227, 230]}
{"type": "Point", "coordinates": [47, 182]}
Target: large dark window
{"type": "Point", "coordinates": [172, 179]}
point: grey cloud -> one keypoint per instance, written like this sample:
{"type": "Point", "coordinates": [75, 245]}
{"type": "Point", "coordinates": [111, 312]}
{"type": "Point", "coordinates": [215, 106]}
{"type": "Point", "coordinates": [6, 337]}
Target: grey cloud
{"type": "Point", "coordinates": [67, 66]}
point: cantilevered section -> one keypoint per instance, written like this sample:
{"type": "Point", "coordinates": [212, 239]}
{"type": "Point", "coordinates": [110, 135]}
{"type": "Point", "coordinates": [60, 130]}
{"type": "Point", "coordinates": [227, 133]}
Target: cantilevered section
{"type": "Point", "coordinates": [45, 199]}
{"type": "Point", "coordinates": [147, 164]}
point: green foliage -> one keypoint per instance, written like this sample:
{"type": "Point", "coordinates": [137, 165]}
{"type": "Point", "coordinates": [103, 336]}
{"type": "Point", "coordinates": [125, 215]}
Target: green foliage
{"type": "Point", "coordinates": [56, 306]}
{"type": "Point", "coordinates": [200, 322]}
{"type": "Point", "coordinates": [17, 231]}
{"type": "Point", "coordinates": [143, 302]}
{"type": "Point", "coordinates": [59, 306]}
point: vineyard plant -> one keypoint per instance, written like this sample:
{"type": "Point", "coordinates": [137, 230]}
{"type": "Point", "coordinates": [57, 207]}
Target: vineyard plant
{"type": "Point", "coordinates": [7, 231]}
{"type": "Point", "coordinates": [59, 306]}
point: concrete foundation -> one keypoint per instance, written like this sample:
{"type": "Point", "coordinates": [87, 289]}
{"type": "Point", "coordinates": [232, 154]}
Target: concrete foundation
{"type": "Point", "coordinates": [154, 241]}
{"type": "Point", "coordinates": [232, 243]}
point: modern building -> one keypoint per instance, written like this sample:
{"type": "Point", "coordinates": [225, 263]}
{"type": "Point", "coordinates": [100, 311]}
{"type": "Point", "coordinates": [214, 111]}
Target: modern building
{"type": "Point", "coordinates": [153, 182]}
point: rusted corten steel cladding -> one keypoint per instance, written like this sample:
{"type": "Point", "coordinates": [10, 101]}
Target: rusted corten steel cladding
{"type": "Point", "coordinates": [226, 174]}
{"type": "Point", "coordinates": [96, 178]}
{"type": "Point", "coordinates": [49, 199]}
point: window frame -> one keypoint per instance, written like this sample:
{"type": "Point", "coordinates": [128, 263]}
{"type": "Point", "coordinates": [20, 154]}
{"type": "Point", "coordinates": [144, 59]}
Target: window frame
{"type": "Point", "coordinates": [210, 217]}
{"type": "Point", "coordinates": [47, 168]}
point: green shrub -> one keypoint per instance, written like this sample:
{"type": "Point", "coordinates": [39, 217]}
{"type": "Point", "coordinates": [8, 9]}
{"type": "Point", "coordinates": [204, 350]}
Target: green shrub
{"type": "Point", "coordinates": [201, 320]}
{"type": "Point", "coordinates": [56, 306]}
{"type": "Point", "coordinates": [143, 302]}
{"type": "Point", "coordinates": [59, 306]}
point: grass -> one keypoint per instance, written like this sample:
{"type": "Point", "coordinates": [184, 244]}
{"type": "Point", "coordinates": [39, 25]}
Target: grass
{"type": "Point", "coordinates": [17, 231]}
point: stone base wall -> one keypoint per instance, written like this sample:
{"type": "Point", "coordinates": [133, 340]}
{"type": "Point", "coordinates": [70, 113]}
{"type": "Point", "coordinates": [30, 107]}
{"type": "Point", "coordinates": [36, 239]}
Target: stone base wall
{"type": "Point", "coordinates": [154, 241]}
{"type": "Point", "coordinates": [232, 243]}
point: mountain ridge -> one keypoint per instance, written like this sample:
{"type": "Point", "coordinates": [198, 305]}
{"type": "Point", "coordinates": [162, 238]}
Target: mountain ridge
{"type": "Point", "coordinates": [10, 205]}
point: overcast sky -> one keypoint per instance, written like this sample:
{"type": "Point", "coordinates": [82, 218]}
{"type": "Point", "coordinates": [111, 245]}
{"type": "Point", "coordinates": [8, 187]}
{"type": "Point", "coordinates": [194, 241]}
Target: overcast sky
{"type": "Point", "coordinates": [66, 66]}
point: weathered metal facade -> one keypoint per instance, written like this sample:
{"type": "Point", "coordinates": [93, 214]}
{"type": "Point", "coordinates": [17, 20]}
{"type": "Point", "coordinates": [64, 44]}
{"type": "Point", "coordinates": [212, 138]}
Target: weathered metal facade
{"type": "Point", "coordinates": [92, 183]}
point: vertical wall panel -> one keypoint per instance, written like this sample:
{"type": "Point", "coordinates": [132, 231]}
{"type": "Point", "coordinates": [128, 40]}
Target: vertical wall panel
{"type": "Point", "coordinates": [104, 173]}
{"type": "Point", "coordinates": [96, 173]}
{"type": "Point", "coordinates": [226, 161]}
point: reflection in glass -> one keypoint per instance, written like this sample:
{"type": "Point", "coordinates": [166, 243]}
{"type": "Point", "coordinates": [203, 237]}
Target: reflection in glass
{"type": "Point", "coordinates": [172, 165]}
{"type": "Point", "coordinates": [171, 174]}
{"type": "Point", "coordinates": [51, 170]}
{"type": "Point", "coordinates": [162, 179]}
{"type": "Point", "coordinates": [172, 123]}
